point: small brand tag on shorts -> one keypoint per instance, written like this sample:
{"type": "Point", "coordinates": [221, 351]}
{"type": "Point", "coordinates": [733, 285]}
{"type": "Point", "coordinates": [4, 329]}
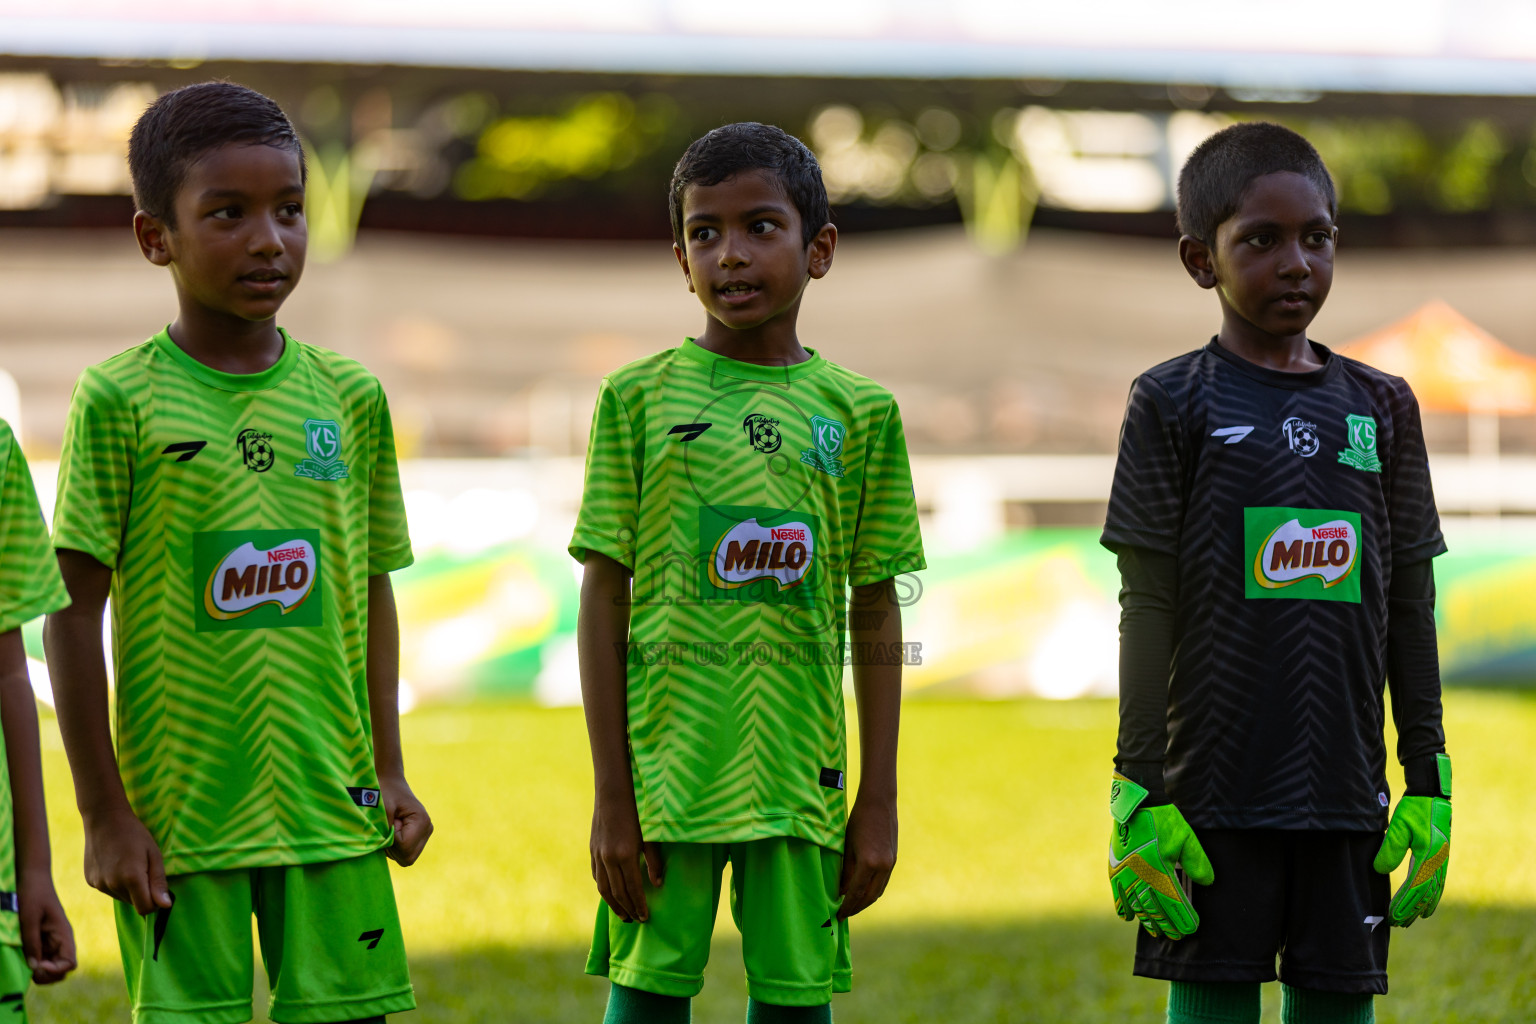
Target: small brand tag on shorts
{"type": "Point", "coordinates": [363, 797]}
{"type": "Point", "coordinates": [10, 901]}
{"type": "Point", "coordinates": [832, 778]}
{"type": "Point", "coordinates": [1381, 798]}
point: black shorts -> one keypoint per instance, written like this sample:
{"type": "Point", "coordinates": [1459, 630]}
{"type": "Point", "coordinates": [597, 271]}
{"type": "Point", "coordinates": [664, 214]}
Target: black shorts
{"type": "Point", "coordinates": [1310, 898]}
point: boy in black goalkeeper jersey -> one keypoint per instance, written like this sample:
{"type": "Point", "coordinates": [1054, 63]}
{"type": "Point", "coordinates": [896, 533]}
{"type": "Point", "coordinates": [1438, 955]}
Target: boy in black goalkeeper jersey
{"type": "Point", "coordinates": [1274, 524]}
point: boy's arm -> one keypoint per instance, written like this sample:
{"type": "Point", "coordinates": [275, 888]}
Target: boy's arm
{"type": "Point", "coordinates": [869, 849]}
{"type": "Point", "coordinates": [617, 847]}
{"type": "Point", "coordinates": [405, 813]}
{"type": "Point", "coordinates": [1148, 834]}
{"type": "Point", "coordinates": [1421, 821]}
{"type": "Point", "coordinates": [46, 938]}
{"type": "Point", "coordinates": [1413, 675]}
{"type": "Point", "coordinates": [121, 857]}
{"type": "Point", "coordinates": [1148, 593]}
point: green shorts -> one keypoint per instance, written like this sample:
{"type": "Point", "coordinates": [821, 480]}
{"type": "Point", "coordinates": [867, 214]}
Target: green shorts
{"type": "Point", "coordinates": [783, 899]}
{"type": "Point", "coordinates": [15, 979]}
{"type": "Point", "coordinates": [330, 940]}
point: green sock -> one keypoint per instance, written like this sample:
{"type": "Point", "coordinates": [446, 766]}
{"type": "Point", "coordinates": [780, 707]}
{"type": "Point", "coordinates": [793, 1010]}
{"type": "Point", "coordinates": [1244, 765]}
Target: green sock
{"type": "Point", "coordinates": [632, 1006]}
{"type": "Point", "coordinates": [1213, 1002]}
{"type": "Point", "coordinates": [1308, 1006]}
{"type": "Point", "coordinates": [769, 1013]}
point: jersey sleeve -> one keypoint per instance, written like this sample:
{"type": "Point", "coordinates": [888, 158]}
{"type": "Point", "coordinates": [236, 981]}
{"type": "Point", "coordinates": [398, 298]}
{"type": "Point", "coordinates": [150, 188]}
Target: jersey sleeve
{"type": "Point", "coordinates": [886, 541]}
{"type": "Point", "coordinates": [1411, 512]}
{"type": "Point", "coordinates": [610, 497]}
{"type": "Point", "coordinates": [30, 584]}
{"type": "Point", "coordinates": [389, 539]}
{"type": "Point", "coordinates": [1146, 501]}
{"type": "Point", "coordinates": [96, 470]}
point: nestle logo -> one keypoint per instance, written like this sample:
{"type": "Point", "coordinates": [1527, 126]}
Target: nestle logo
{"type": "Point", "coordinates": [787, 534]}
{"type": "Point", "coordinates": [285, 554]}
{"type": "Point", "coordinates": [1330, 533]}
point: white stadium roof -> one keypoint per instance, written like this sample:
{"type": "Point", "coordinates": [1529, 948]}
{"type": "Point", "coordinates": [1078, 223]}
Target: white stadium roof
{"type": "Point", "coordinates": [1420, 46]}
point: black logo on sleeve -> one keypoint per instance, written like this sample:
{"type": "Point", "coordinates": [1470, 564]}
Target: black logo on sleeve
{"type": "Point", "coordinates": [762, 433]}
{"type": "Point", "coordinates": [15, 1000]}
{"type": "Point", "coordinates": [1301, 436]}
{"type": "Point", "coordinates": [689, 430]}
{"type": "Point", "coordinates": [10, 901]}
{"type": "Point", "coordinates": [256, 449]}
{"type": "Point", "coordinates": [363, 797]}
{"type": "Point", "coordinates": [832, 778]}
{"type": "Point", "coordinates": [372, 937]}
{"type": "Point", "coordinates": [184, 451]}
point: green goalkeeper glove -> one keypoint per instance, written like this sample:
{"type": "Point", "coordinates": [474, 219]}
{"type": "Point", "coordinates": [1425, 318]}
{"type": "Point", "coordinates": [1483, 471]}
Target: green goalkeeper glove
{"type": "Point", "coordinates": [1421, 824]}
{"type": "Point", "coordinates": [1144, 846]}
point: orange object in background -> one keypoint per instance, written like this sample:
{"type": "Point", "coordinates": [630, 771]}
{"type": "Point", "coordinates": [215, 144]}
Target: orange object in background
{"type": "Point", "coordinates": [1452, 364]}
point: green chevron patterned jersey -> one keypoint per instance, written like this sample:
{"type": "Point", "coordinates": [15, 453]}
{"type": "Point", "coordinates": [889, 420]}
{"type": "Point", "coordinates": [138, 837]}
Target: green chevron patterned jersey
{"type": "Point", "coordinates": [745, 499]}
{"type": "Point", "coordinates": [243, 515]}
{"type": "Point", "coordinates": [30, 585]}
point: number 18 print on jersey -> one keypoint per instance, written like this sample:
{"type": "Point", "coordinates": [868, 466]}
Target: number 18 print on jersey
{"type": "Point", "coordinates": [243, 515]}
{"type": "Point", "coordinates": [745, 499]}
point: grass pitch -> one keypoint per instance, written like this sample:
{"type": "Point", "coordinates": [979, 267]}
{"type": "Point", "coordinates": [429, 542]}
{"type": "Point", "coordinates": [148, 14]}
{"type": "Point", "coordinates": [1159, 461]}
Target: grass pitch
{"type": "Point", "coordinates": [998, 912]}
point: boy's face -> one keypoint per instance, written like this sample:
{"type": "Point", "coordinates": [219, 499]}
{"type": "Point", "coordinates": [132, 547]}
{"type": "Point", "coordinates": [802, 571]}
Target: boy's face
{"type": "Point", "coordinates": [239, 241]}
{"type": "Point", "coordinates": [744, 255]}
{"type": "Point", "coordinates": [1272, 264]}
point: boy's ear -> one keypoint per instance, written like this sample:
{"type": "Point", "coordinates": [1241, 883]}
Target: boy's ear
{"type": "Point", "coordinates": [682, 261]}
{"type": "Point", "coordinates": [153, 237]}
{"type": "Point", "coordinates": [820, 251]}
{"type": "Point", "coordinates": [1198, 260]}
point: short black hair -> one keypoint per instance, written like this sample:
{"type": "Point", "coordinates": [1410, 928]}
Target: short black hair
{"type": "Point", "coordinates": [1219, 171]}
{"type": "Point", "coordinates": [749, 146]}
{"type": "Point", "coordinates": [181, 126]}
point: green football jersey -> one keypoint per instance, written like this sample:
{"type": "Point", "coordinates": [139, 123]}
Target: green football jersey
{"type": "Point", "coordinates": [243, 515]}
{"type": "Point", "coordinates": [745, 499]}
{"type": "Point", "coordinates": [30, 585]}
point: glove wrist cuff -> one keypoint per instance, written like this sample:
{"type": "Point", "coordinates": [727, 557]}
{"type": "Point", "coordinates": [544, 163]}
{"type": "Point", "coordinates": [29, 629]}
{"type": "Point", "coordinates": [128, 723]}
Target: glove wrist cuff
{"type": "Point", "coordinates": [1124, 797]}
{"type": "Point", "coordinates": [1428, 775]}
{"type": "Point", "coordinates": [1149, 776]}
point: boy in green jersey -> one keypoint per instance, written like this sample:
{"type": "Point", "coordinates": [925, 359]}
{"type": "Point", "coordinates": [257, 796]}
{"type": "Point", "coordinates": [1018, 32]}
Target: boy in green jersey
{"type": "Point", "coordinates": [736, 487]}
{"type": "Point", "coordinates": [36, 943]}
{"type": "Point", "coordinates": [236, 490]}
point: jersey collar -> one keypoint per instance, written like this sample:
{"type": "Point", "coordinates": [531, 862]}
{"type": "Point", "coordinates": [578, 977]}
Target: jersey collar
{"type": "Point", "coordinates": [269, 378]}
{"type": "Point", "coordinates": [1281, 378]}
{"type": "Point", "coordinates": [728, 367]}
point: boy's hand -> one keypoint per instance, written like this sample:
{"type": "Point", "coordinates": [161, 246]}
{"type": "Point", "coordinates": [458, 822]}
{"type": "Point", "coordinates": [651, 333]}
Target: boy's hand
{"type": "Point", "coordinates": [1144, 846]}
{"type": "Point", "coordinates": [617, 851]}
{"type": "Point", "coordinates": [123, 860]}
{"type": "Point", "coordinates": [869, 855]}
{"type": "Point", "coordinates": [1422, 824]}
{"type": "Point", "coordinates": [46, 938]}
{"type": "Point", "coordinates": [410, 820]}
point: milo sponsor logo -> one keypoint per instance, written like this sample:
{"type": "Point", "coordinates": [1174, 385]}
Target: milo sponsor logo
{"type": "Point", "coordinates": [250, 579]}
{"type": "Point", "coordinates": [1302, 553]}
{"type": "Point", "coordinates": [749, 551]}
{"type": "Point", "coordinates": [763, 554]}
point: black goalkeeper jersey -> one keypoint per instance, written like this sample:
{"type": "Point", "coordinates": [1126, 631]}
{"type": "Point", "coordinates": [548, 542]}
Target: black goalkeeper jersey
{"type": "Point", "coordinates": [1286, 498]}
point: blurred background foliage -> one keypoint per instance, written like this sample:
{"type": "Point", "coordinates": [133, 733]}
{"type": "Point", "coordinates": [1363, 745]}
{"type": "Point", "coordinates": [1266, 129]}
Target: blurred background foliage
{"type": "Point", "coordinates": [589, 155]}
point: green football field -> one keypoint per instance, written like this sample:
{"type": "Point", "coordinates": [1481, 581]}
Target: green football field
{"type": "Point", "coordinates": [998, 912]}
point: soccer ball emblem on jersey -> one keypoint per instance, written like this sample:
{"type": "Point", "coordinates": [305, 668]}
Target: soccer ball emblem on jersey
{"type": "Point", "coordinates": [1301, 436]}
{"type": "Point", "coordinates": [256, 449]}
{"type": "Point", "coordinates": [762, 433]}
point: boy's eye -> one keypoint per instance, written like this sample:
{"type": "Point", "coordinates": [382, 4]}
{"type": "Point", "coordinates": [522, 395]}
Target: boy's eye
{"type": "Point", "coordinates": [763, 227]}
{"type": "Point", "coordinates": [703, 234]}
{"type": "Point", "coordinates": [226, 212]}
{"type": "Point", "coordinates": [1320, 238]}
{"type": "Point", "coordinates": [1260, 240]}
{"type": "Point", "coordinates": [293, 210]}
